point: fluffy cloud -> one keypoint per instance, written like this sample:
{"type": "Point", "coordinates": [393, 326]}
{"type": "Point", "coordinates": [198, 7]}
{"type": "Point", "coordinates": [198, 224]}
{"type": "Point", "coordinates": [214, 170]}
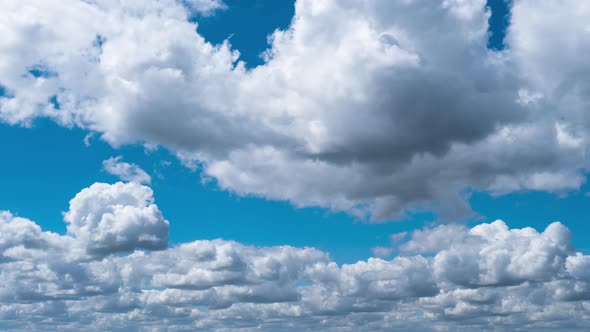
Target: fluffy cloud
{"type": "Point", "coordinates": [126, 171]}
{"type": "Point", "coordinates": [119, 217]}
{"type": "Point", "coordinates": [471, 279]}
{"type": "Point", "coordinates": [370, 107]}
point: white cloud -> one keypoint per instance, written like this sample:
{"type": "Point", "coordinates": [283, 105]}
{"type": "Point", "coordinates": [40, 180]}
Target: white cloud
{"type": "Point", "coordinates": [436, 239]}
{"type": "Point", "coordinates": [361, 106]}
{"type": "Point", "coordinates": [205, 7]}
{"type": "Point", "coordinates": [495, 255]}
{"type": "Point", "coordinates": [126, 171]}
{"type": "Point", "coordinates": [118, 217]}
{"type": "Point", "coordinates": [493, 275]}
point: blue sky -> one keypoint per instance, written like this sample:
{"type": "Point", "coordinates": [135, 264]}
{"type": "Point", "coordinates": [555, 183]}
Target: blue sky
{"type": "Point", "coordinates": [247, 24]}
{"type": "Point", "coordinates": [351, 180]}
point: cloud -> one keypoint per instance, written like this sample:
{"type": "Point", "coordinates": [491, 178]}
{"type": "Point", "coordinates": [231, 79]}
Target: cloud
{"type": "Point", "coordinates": [382, 252]}
{"type": "Point", "coordinates": [436, 239]}
{"type": "Point", "coordinates": [126, 171]}
{"type": "Point", "coordinates": [110, 280]}
{"type": "Point", "coordinates": [374, 108]}
{"type": "Point", "coordinates": [361, 107]}
{"type": "Point", "coordinates": [205, 7]}
{"type": "Point", "coordinates": [499, 256]}
{"type": "Point", "coordinates": [118, 217]}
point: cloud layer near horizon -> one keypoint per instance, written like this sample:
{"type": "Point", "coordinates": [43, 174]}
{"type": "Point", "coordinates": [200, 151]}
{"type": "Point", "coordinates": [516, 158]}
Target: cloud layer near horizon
{"type": "Point", "coordinates": [368, 107]}
{"type": "Point", "coordinates": [113, 271]}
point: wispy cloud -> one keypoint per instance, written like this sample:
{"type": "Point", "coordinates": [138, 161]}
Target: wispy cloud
{"type": "Point", "coordinates": [126, 171]}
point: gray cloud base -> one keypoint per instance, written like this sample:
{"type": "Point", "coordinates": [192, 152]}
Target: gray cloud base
{"type": "Point", "coordinates": [125, 278]}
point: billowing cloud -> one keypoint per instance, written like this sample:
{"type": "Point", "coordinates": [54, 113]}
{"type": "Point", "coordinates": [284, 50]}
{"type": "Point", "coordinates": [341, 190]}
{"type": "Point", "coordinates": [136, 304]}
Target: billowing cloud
{"type": "Point", "coordinates": [118, 217]}
{"type": "Point", "coordinates": [97, 279]}
{"type": "Point", "coordinates": [369, 107]}
{"type": "Point", "coordinates": [126, 171]}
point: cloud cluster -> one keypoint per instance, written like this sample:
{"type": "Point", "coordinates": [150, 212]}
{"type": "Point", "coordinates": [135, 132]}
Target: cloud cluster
{"type": "Point", "coordinates": [369, 107]}
{"type": "Point", "coordinates": [125, 278]}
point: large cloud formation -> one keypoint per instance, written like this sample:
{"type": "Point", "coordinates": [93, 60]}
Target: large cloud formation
{"type": "Point", "coordinates": [370, 107]}
{"type": "Point", "coordinates": [125, 278]}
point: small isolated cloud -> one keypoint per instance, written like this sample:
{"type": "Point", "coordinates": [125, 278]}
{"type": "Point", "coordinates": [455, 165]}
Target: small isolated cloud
{"type": "Point", "coordinates": [118, 217]}
{"type": "Point", "coordinates": [113, 270]}
{"type": "Point", "coordinates": [382, 252]}
{"type": "Point", "coordinates": [397, 237]}
{"type": "Point", "coordinates": [87, 139]}
{"type": "Point", "coordinates": [126, 171]}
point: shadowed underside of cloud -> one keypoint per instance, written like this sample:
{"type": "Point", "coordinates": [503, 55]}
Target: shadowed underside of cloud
{"type": "Point", "coordinates": [113, 271]}
{"type": "Point", "coordinates": [370, 107]}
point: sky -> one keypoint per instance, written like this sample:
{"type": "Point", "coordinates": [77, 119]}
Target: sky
{"type": "Point", "coordinates": [277, 165]}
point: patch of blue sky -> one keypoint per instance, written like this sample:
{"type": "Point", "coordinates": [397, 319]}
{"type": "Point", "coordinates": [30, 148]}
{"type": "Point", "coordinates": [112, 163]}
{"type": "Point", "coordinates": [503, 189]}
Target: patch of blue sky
{"type": "Point", "coordinates": [247, 24]}
{"type": "Point", "coordinates": [41, 71]}
{"type": "Point", "coordinates": [498, 22]}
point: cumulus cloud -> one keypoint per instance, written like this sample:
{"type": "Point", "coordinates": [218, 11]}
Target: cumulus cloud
{"type": "Point", "coordinates": [119, 217]}
{"type": "Point", "coordinates": [369, 107]}
{"type": "Point", "coordinates": [126, 171]}
{"type": "Point", "coordinates": [99, 279]}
